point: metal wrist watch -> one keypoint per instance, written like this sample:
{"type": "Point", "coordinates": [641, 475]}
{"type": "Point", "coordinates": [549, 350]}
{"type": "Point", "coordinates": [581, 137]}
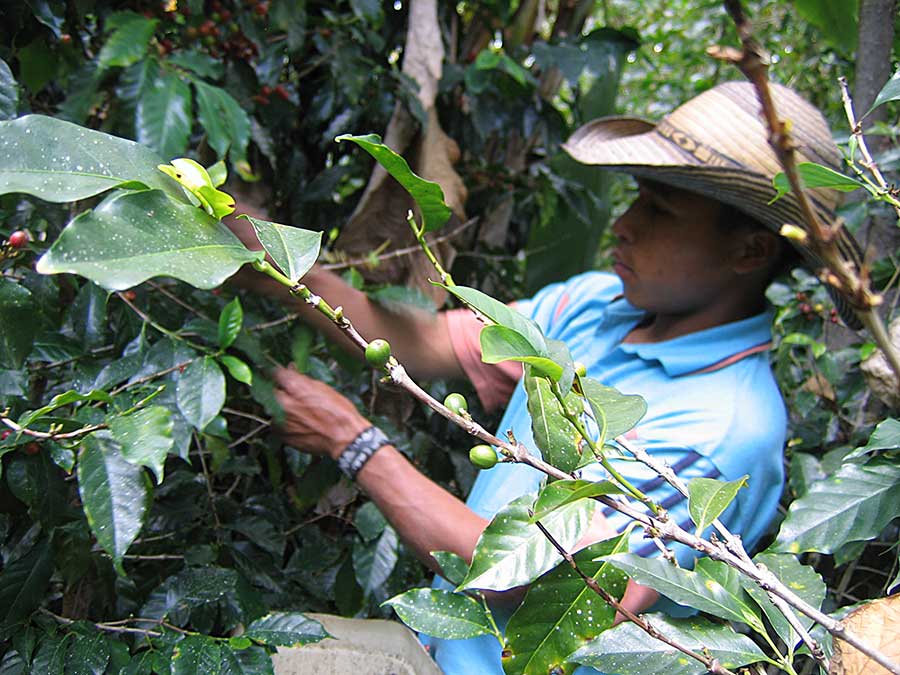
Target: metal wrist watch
{"type": "Point", "coordinates": [360, 450]}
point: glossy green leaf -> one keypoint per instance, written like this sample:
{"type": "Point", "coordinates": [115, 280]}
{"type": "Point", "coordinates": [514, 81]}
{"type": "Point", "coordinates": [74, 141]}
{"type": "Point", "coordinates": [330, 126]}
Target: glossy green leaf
{"type": "Point", "coordinates": [889, 92]}
{"type": "Point", "coordinates": [163, 117]}
{"type": "Point", "coordinates": [88, 654]}
{"type": "Point", "coordinates": [502, 315]}
{"type": "Point", "coordinates": [23, 582]}
{"type": "Point", "coordinates": [512, 551]}
{"type": "Point", "coordinates": [427, 194]}
{"type": "Point", "coordinates": [9, 93]}
{"type": "Point", "coordinates": [128, 41]}
{"type": "Point", "coordinates": [59, 161]}
{"type": "Point", "coordinates": [251, 661]}
{"type": "Point", "coordinates": [817, 348]}
{"type": "Point", "coordinates": [226, 123]}
{"type": "Point", "coordinates": [885, 437]}
{"type": "Point", "coordinates": [197, 654]}
{"type": "Point", "coordinates": [374, 561]}
{"type": "Point", "coordinates": [51, 655]}
{"type": "Point", "coordinates": [801, 579]}
{"type": "Point", "coordinates": [135, 236]}
{"type": "Point", "coordinates": [613, 411]}
{"type": "Point", "coordinates": [708, 498]}
{"type": "Point", "coordinates": [562, 492]}
{"type": "Point", "coordinates": [453, 567]}
{"type": "Point", "coordinates": [853, 504]}
{"type": "Point", "coordinates": [115, 494]}
{"type": "Point", "coordinates": [201, 392]}
{"type": "Point", "coordinates": [560, 613]}
{"type": "Point", "coordinates": [87, 317]}
{"type": "Point", "coordinates": [230, 321]}
{"type": "Point", "coordinates": [294, 250]}
{"type": "Point", "coordinates": [499, 343]}
{"type": "Point", "coordinates": [689, 587]}
{"type": "Point", "coordinates": [17, 318]}
{"type": "Point", "coordinates": [196, 590]}
{"type": "Point", "coordinates": [628, 649]}
{"type": "Point", "coordinates": [815, 176]}
{"type": "Point", "coordinates": [145, 437]}
{"type": "Point", "coordinates": [239, 370]}
{"type": "Point", "coordinates": [369, 521]}
{"type": "Point", "coordinates": [62, 400]}
{"type": "Point", "coordinates": [558, 440]}
{"type": "Point", "coordinates": [286, 629]}
{"type": "Point", "coordinates": [441, 614]}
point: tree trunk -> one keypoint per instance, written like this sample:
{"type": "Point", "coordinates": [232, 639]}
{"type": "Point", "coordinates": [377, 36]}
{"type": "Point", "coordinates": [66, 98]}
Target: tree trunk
{"type": "Point", "coordinates": [873, 59]}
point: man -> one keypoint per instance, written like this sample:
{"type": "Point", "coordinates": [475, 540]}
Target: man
{"type": "Point", "coordinates": [682, 323]}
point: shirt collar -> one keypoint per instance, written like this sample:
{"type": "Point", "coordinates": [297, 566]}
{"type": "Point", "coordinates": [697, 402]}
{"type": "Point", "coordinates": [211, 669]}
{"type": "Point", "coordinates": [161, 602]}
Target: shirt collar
{"type": "Point", "coordinates": [703, 349]}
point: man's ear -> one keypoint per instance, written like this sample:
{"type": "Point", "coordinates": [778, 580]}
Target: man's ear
{"type": "Point", "coordinates": [756, 249]}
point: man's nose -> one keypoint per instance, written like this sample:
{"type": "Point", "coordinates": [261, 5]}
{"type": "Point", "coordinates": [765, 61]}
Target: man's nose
{"type": "Point", "coordinates": [623, 228]}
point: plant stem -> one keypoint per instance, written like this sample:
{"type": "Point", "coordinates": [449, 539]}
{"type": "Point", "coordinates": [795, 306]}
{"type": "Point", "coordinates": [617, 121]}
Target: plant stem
{"type": "Point", "coordinates": [446, 279]}
{"type": "Point", "coordinates": [712, 665]}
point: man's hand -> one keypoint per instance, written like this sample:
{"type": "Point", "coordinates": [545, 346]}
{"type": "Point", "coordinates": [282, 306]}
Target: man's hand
{"type": "Point", "coordinates": [318, 419]}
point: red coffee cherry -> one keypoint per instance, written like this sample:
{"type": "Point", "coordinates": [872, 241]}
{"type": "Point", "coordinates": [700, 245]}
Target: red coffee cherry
{"type": "Point", "coordinates": [18, 239]}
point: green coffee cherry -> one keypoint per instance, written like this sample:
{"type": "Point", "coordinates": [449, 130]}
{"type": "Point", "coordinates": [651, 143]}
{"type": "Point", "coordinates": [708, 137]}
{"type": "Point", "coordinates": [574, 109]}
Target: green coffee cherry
{"type": "Point", "coordinates": [456, 403]}
{"type": "Point", "coordinates": [483, 456]}
{"type": "Point", "coordinates": [580, 369]}
{"type": "Point", "coordinates": [378, 352]}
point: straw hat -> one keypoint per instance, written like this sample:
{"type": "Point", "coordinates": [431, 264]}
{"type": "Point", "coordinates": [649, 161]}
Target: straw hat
{"type": "Point", "coordinates": [717, 145]}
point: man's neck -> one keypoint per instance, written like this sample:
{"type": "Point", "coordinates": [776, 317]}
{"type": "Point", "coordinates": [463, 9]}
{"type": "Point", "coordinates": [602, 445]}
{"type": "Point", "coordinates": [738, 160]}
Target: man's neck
{"type": "Point", "coordinates": [662, 327]}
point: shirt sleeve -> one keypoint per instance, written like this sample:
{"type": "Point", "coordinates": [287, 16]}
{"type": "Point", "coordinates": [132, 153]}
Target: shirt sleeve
{"type": "Point", "coordinates": [494, 383]}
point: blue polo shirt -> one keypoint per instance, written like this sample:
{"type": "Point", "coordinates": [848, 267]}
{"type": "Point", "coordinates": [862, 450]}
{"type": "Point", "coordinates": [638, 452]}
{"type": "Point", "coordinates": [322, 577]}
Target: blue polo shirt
{"type": "Point", "coordinates": [713, 410]}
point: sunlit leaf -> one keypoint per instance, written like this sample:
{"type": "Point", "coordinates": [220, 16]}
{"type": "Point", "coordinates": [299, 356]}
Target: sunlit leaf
{"type": "Point", "coordinates": [708, 498]}
{"type": "Point", "coordinates": [889, 92]}
{"type": "Point", "coordinates": [294, 250]}
{"type": "Point", "coordinates": [853, 504]}
{"type": "Point", "coordinates": [560, 613]}
{"type": "Point", "coordinates": [558, 440]}
{"type": "Point", "coordinates": [512, 551]}
{"type": "Point", "coordinates": [814, 175]}
{"type": "Point", "coordinates": [613, 410]}
{"type": "Point", "coordinates": [499, 344]}
{"type": "Point", "coordinates": [453, 567]}
{"type": "Point", "coordinates": [562, 492]}
{"type": "Point", "coordinates": [239, 370]}
{"type": "Point", "coordinates": [441, 614]}
{"type": "Point", "coordinates": [628, 649]}
{"type": "Point", "coordinates": [427, 195]}
{"type": "Point", "coordinates": [285, 629]}
{"type": "Point", "coordinates": [135, 236]}
{"type": "Point", "coordinates": [62, 162]}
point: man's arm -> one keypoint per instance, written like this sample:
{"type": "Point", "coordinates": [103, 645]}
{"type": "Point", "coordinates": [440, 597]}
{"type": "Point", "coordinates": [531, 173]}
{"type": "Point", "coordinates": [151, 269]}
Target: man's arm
{"type": "Point", "coordinates": [427, 517]}
{"type": "Point", "coordinates": [419, 339]}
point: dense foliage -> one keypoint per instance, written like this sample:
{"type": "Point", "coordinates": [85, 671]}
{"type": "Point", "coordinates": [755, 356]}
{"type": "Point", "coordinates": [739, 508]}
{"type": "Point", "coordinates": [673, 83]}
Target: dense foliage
{"type": "Point", "coordinates": [155, 487]}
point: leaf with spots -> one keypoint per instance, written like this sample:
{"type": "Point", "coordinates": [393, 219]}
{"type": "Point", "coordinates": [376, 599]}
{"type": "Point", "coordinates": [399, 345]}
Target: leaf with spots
{"type": "Point", "coordinates": [59, 161]}
{"type": "Point", "coordinates": [285, 629]}
{"type": "Point", "coordinates": [710, 588]}
{"type": "Point", "coordinates": [853, 504]}
{"type": "Point", "coordinates": [560, 613]}
{"type": "Point", "coordinates": [628, 649]}
{"type": "Point", "coordinates": [558, 440]}
{"type": "Point", "coordinates": [134, 236]}
{"type": "Point", "coordinates": [115, 494]}
{"type": "Point", "coordinates": [512, 551]}
{"type": "Point", "coordinates": [801, 579]}
{"type": "Point", "coordinates": [442, 614]}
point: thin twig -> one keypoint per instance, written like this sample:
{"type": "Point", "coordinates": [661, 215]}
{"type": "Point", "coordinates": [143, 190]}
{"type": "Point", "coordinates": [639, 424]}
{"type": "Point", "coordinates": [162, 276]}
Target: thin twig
{"type": "Point", "coordinates": [712, 665]}
{"type": "Point", "coordinates": [178, 301]}
{"type": "Point", "coordinates": [398, 253]}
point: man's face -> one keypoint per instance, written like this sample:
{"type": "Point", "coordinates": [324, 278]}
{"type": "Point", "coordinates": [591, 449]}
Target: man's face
{"type": "Point", "coordinates": [672, 255]}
